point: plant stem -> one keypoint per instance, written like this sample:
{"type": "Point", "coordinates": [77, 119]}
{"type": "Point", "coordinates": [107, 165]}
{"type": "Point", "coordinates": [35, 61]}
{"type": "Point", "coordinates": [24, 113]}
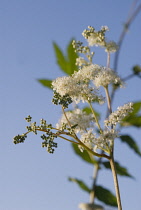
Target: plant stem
{"type": "Point", "coordinates": [95, 176]}
{"type": "Point", "coordinates": [113, 168]}
{"type": "Point", "coordinates": [95, 117]}
{"type": "Point", "coordinates": [108, 99]}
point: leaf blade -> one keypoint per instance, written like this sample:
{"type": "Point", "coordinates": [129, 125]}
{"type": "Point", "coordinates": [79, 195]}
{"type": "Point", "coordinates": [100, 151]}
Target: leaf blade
{"type": "Point", "coordinates": [60, 58]}
{"type": "Point", "coordinates": [83, 155]}
{"type": "Point", "coordinates": [105, 196]}
{"type": "Point", "coordinates": [46, 83]}
{"type": "Point", "coordinates": [131, 143]}
{"type": "Point", "coordinates": [122, 171]}
{"type": "Point", "coordinates": [81, 184]}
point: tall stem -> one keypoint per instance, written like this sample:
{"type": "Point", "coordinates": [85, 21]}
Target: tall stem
{"type": "Point", "coordinates": [113, 168]}
{"type": "Point", "coordinates": [108, 100]}
{"type": "Point", "coordinates": [95, 176]}
{"type": "Point", "coordinates": [95, 117]}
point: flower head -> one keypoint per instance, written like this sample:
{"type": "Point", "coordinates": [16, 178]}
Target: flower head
{"type": "Point", "coordinates": [77, 117]}
{"type": "Point", "coordinates": [107, 76]}
{"type": "Point", "coordinates": [119, 115]}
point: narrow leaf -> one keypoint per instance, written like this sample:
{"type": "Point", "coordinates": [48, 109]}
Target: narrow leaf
{"type": "Point", "coordinates": [45, 82]}
{"type": "Point", "coordinates": [131, 143]}
{"type": "Point", "coordinates": [71, 56]}
{"type": "Point", "coordinates": [84, 155]}
{"type": "Point", "coordinates": [105, 196]}
{"type": "Point", "coordinates": [81, 184]}
{"type": "Point", "coordinates": [122, 171]}
{"type": "Point", "coordinates": [61, 59]}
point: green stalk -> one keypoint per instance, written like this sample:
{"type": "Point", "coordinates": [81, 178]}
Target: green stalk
{"type": "Point", "coordinates": [113, 168]}
{"type": "Point", "coordinates": [95, 117]}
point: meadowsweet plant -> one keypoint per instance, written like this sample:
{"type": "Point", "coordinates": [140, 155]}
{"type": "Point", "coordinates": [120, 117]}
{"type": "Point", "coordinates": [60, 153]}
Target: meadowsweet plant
{"type": "Point", "coordinates": [90, 84]}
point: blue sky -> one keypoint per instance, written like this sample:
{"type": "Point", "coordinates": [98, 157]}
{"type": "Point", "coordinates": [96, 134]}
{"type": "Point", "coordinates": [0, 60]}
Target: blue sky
{"type": "Point", "coordinates": [32, 179]}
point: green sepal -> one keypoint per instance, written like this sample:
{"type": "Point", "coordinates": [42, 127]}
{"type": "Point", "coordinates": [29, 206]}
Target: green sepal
{"type": "Point", "coordinates": [84, 155]}
{"type": "Point", "coordinates": [122, 171]}
{"type": "Point", "coordinates": [80, 183]}
{"type": "Point", "coordinates": [45, 82]}
{"type": "Point", "coordinates": [105, 196]}
{"type": "Point", "coordinates": [131, 143]}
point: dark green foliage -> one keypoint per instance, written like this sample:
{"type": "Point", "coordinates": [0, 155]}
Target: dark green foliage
{"type": "Point", "coordinates": [105, 196]}
{"type": "Point", "coordinates": [131, 143]}
{"type": "Point", "coordinates": [120, 169]}
{"type": "Point", "coordinates": [84, 155]}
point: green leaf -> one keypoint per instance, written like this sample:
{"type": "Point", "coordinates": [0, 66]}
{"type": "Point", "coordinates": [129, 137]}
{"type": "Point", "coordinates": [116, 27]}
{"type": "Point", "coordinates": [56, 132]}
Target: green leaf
{"type": "Point", "coordinates": [136, 107]}
{"type": "Point", "coordinates": [131, 143]}
{"type": "Point", "coordinates": [71, 55]}
{"type": "Point", "coordinates": [134, 119]}
{"type": "Point", "coordinates": [66, 61]}
{"type": "Point", "coordinates": [45, 82]}
{"type": "Point", "coordinates": [61, 60]}
{"type": "Point", "coordinates": [84, 155]}
{"type": "Point", "coordinates": [81, 184]}
{"type": "Point", "coordinates": [105, 196]}
{"type": "Point", "coordinates": [120, 169]}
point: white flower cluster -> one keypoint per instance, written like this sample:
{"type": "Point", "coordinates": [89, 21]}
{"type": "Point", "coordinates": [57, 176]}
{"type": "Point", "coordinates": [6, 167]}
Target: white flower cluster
{"type": "Point", "coordinates": [103, 142]}
{"type": "Point", "coordinates": [79, 86]}
{"type": "Point", "coordinates": [107, 76]}
{"type": "Point", "coordinates": [119, 115]}
{"type": "Point", "coordinates": [77, 117]}
{"type": "Point", "coordinates": [80, 61]}
{"type": "Point", "coordinates": [111, 47]}
{"type": "Point", "coordinates": [97, 38]}
{"type": "Point", "coordinates": [94, 37]}
{"type": "Point", "coordinates": [88, 138]}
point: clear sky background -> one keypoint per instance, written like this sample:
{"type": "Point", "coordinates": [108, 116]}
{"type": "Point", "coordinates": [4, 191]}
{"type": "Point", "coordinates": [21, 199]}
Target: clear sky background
{"type": "Point", "coordinates": [30, 178]}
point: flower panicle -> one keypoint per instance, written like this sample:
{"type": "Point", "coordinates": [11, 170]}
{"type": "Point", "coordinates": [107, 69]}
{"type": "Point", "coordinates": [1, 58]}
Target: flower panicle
{"type": "Point", "coordinates": [48, 137]}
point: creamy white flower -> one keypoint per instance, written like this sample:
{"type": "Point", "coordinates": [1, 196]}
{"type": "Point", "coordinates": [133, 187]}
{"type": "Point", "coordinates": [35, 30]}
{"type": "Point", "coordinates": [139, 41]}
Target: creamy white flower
{"type": "Point", "coordinates": [107, 76]}
{"type": "Point", "coordinates": [119, 115]}
{"type": "Point", "coordinates": [95, 39]}
{"type": "Point", "coordinates": [77, 117]}
{"type": "Point", "coordinates": [106, 139]}
{"type": "Point", "coordinates": [87, 72]}
{"type": "Point", "coordinates": [111, 47]}
{"type": "Point", "coordinates": [81, 61]}
{"type": "Point", "coordinates": [103, 142]}
{"type": "Point", "coordinates": [64, 85]}
{"type": "Point", "coordinates": [77, 87]}
{"type": "Point", "coordinates": [104, 28]}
